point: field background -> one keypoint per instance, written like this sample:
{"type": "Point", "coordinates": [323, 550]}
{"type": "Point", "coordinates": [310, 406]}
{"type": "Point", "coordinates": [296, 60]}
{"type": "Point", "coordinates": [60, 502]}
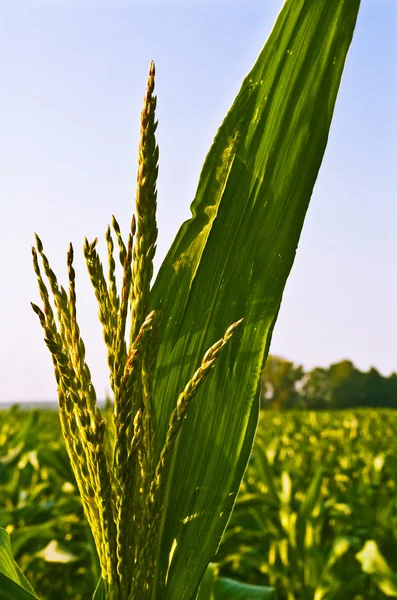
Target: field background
{"type": "Point", "coordinates": [316, 516]}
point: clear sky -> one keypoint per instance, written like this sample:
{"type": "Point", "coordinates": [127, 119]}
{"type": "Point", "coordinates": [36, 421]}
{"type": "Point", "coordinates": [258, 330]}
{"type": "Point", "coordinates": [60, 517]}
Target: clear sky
{"type": "Point", "coordinates": [72, 77]}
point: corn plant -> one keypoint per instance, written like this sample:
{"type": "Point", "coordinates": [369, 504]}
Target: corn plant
{"type": "Point", "coordinates": [316, 514]}
{"type": "Point", "coordinates": [185, 356]}
{"type": "Point", "coordinates": [41, 508]}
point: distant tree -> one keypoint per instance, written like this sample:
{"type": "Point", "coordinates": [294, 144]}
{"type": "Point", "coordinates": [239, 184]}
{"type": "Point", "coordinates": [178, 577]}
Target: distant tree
{"type": "Point", "coordinates": [392, 390]}
{"type": "Point", "coordinates": [379, 390]}
{"type": "Point", "coordinates": [279, 383]}
{"type": "Point", "coordinates": [347, 385]}
{"type": "Point", "coordinates": [341, 385]}
{"type": "Point", "coordinates": [316, 390]}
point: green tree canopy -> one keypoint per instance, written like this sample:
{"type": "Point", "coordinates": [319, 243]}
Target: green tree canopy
{"type": "Point", "coordinates": [341, 385]}
{"type": "Point", "coordinates": [280, 382]}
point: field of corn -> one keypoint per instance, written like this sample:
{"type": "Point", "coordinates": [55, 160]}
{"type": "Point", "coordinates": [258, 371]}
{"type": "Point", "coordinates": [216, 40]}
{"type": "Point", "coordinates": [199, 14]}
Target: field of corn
{"type": "Point", "coordinates": [316, 515]}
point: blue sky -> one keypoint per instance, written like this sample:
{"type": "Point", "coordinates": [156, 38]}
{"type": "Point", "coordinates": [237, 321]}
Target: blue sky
{"type": "Point", "coordinates": [72, 77]}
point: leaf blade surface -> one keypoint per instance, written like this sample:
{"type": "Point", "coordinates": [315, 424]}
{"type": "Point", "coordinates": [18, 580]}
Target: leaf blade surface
{"type": "Point", "coordinates": [231, 260]}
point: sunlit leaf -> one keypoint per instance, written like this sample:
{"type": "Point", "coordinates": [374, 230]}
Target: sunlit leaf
{"type": "Point", "coordinates": [214, 587]}
{"type": "Point", "coordinates": [12, 580]}
{"type": "Point", "coordinates": [231, 261]}
{"type": "Point", "coordinates": [373, 563]}
{"type": "Point", "coordinates": [9, 590]}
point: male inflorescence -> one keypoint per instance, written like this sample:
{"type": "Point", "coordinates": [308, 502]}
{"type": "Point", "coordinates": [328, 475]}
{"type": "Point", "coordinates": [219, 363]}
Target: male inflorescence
{"type": "Point", "coordinates": [119, 475]}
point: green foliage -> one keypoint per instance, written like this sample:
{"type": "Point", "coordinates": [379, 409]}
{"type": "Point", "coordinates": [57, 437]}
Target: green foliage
{"type": "Point", "coordinates": [9, 590]}
{"type": "Point", "coordinates": [215, 587]}
{"type": "Point", "coordinates": [279, 383]}
{"type": "Point", "coordinates": [40, 504]}
{"type": "Point", "coordinates": [375, 565]}
{"type": "Point", "coordinates": [285, 385]}
{"type": "Point", "coordinates": [316, 516]}
{"type": "Point", "coordinates": [231, 260]}
{"type": "Point", "coordinates": [11, 576]}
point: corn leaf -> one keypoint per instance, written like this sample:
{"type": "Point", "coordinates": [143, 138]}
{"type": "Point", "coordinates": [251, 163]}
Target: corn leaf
{"type": "Point", "coordinates": [9, 590]}
{"type": "Point", "coordinates": [373, 563]}
{"type": "Point", "coordinates": [13, 583]}
{"type": "Point", "coordinates": [231, 260]}
{"type": "Point", "coordinates": [226, 589]}
{"type": "Point", "coordinates": [214, 587]}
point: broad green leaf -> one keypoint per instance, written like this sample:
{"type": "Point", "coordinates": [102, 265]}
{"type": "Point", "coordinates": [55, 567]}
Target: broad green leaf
{"type": "Point", "coordinates": [214, 587]}
{"type": "Point", "coordinates": [228, 589]}
{"type": "Point", "coordinates": [231, 260]}
{"type": "Point", "coordinates": [9, 590]}
{"type": "Point", "coordinates": [10, 571]}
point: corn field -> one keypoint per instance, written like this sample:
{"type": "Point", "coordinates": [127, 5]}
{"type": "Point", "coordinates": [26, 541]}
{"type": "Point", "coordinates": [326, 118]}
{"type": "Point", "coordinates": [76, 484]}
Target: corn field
{"type": "Point", "coordinates": [316, 515]}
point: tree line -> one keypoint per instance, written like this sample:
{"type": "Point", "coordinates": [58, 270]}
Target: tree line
{"type": "Point", "coordinates": [342, 385]}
